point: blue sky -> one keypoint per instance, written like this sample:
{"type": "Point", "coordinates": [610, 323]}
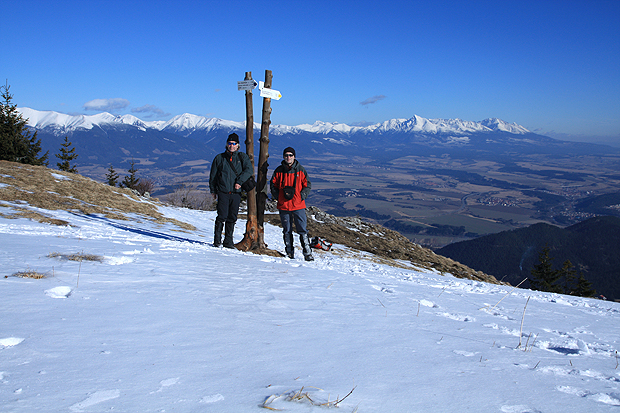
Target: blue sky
{"type": "Point", "coordinates": [551, 66]}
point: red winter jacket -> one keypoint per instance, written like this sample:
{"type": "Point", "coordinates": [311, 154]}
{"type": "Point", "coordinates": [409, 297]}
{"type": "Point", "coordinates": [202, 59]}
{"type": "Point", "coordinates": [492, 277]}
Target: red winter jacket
{"type": "Point", "coordinates": [285, 176]}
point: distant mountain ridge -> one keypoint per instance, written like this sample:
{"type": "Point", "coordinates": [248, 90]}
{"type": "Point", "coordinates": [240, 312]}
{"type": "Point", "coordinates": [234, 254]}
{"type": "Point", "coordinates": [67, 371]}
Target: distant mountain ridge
{"type": "Point", "coordinates": [187, 123]}
{"type": "Point", "coordinates": [592, 246]}
{"type": "Point", "coordinates": [187, 143]}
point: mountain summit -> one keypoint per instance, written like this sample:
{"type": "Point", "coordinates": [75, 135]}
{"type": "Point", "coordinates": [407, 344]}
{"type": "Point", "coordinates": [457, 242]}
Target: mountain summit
{"type": "Point", "coordinates": [186, 124]}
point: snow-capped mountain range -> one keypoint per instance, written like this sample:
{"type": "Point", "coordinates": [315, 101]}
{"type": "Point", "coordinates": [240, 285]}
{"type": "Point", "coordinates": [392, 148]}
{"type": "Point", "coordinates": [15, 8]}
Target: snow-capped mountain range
{"type": "Point", "coordinates": [186, 124]}
{"type": "Point", "coordinates": [105, 139]}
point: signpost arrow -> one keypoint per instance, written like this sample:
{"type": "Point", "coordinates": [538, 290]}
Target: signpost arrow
{"type": "Point", "coordinates": [247, 84]}
{"type": "Point", "coordinates": [268, 93]}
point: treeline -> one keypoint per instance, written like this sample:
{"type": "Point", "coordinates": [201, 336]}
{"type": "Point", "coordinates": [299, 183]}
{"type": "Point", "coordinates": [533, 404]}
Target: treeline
{"type": "Point", "coordinates": [337, 209]}
{"type": "Point", "coordinates": [511, 167]}
{"type": "Point", "coordinates": [547, 201]}
{"type": "Point", "coordinates": [435, 229]}
{"type": "Point", "coordinates": [142, 186]}
{"type": "Point", "coordinates": [477, 179]}
{"type": "Point", "coordinates": [564, 280]}
{"type": "Point", "coordinates": [601, 204]}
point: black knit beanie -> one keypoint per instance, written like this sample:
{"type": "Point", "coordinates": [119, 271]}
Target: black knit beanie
{"type": "Point", "coordinates": [233, 137]}
{"type": "Point", "coordinates": [290, 150]}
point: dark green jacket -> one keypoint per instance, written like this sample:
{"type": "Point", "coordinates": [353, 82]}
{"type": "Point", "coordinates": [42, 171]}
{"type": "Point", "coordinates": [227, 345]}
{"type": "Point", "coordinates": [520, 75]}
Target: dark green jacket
{"type": "Point", "coordinates": [223, 176]}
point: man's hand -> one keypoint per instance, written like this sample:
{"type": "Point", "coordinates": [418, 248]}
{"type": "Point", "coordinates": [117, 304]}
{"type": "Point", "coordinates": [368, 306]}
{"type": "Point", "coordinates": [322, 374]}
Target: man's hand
{"type": "Point", "coordinates": [237, 186]}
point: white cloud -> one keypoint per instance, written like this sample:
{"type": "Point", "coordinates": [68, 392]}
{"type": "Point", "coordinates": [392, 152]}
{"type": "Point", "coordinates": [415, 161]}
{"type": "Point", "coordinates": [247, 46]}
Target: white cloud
{"type": "Point", "coordinates": [373, 99]}
{"type": "Point", "coordinates": [106, 104]}
{"type": "Point", "coordinates": [362, 123]}
{"type": "Point", "coordinates": [150, 109]}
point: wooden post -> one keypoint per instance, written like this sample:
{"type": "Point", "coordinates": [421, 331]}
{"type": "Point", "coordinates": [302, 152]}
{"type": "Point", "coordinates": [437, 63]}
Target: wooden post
{"type": "Point", "coordinates": [250, 238]}
{"type": "Point", "coordinates": [263, 166]}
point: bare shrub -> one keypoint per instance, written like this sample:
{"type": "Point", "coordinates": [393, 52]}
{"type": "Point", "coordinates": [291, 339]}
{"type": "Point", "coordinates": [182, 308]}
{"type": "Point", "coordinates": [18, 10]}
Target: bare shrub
{"type": "Point", "coordinates": [145, 186]}
{"type": "Point", "coordinates": [187, 195]}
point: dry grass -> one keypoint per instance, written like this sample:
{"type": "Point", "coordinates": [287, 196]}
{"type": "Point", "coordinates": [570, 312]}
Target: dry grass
{"type": "Point", "coordinates": [29, 274]}
{"type": "Point", "coordinates": [76, 257]}
{"type": "Point", "coordinates": [35, 186]}
{"type": "Point", "coordinates": [522, 319]}
{"type": "Point", "coordinates": [300, 396]}
{"type": "Point", "coordinates": [19, 212]}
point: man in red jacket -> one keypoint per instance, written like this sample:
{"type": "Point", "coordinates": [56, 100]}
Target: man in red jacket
{"type": "Point", "coordinates": [290, 186]}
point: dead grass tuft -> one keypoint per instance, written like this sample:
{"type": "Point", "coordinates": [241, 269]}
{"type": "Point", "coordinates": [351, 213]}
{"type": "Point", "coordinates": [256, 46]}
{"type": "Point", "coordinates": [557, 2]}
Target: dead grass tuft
{"type": "Point", "coordinates": [29, 274]}
{"type": "Point", "coordinates": [76, 257]}
{"type": "Point", "coordinates": [300, 396]}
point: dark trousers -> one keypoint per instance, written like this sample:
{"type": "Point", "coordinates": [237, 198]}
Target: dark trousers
{"type": "Point", "coordinates": [227, 207]}
{"type": "Point", "coordinates": [298, 217]}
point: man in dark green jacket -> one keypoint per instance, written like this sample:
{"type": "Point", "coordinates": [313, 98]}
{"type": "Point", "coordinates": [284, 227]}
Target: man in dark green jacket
{"type": "Point", "coordinates": [228, 171]}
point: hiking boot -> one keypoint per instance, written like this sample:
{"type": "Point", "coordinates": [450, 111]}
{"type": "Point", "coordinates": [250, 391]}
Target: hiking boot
{"type": "Point", "coordinates": [305, 246]}
{"type": "Point", "coordinates": [229, 229]}
{"type": "Point", "coordinates": [217, 237]}
{"type": "Point", "coordinates": [288, 246]}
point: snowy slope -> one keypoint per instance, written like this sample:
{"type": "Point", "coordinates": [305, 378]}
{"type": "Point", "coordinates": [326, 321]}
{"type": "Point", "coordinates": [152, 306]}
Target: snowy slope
{"type": "Point", "coordinates": [187, 123]}
{"type": "Point", "coordinates": [47, 119]}
{"type": "Point", "coordinates": [167, 323]}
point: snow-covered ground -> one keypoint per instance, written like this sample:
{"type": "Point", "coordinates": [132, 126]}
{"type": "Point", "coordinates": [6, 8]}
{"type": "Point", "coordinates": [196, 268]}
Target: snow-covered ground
{"type": "Point", "coordinates": [167, 323]}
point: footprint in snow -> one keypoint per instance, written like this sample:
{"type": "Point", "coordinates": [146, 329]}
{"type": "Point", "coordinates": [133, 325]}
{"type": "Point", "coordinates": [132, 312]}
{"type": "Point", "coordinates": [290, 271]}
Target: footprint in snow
{"type": "Point", "coordinates": [567, 346]}
{"type": "Point", "coordinates": [212, 399]}
{"type": "Point", "coordinates": [383, 289]}
{"type": "Point", "coordinates": [457, 317]}
{"type": "Point", "coordinates": [612, 399]}
{"type": "Point", "coordinates": [589, 374]}
{"type": "Point", "coordinates": [166, 383]}
{"type": "Point", "coordinates": [464, 353]}
{"type": "Point", "coordinates": [518, 409]}
{"type": "Point", "coordinates": [498, 314]}
{"type": "Point", "coordinates": [504, 330]}
{"type": "Point", "coordinates": [95, 398]}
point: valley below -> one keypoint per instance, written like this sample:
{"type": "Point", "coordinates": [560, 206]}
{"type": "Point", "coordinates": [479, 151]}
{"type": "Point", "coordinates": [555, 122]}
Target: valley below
{"type": "Point", "coordinates": [437, 200]}
{"type": "Point", "coordinates": [432, 200]}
